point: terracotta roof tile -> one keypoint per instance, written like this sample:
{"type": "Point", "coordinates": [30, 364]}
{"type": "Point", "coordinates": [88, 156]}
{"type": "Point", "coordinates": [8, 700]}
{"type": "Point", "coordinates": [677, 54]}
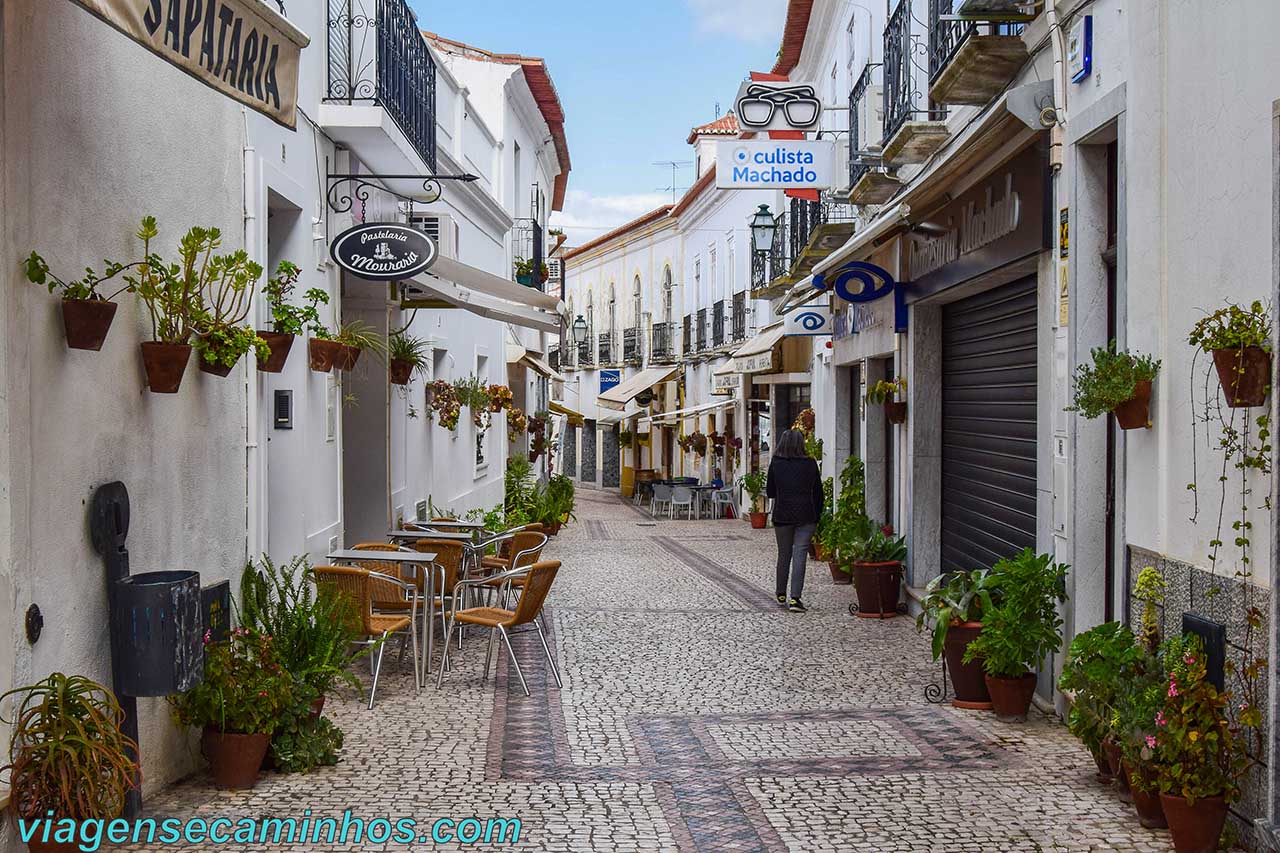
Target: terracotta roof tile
{"type": "Point", "coordinates": [793, 33]}
{"type": "Point", "coordinates": [726, 125]}
{"type": "Point", "coordinates": [652, 216]}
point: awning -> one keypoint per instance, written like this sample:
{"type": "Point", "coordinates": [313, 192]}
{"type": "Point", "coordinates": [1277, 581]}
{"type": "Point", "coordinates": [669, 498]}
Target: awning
{"type": "Point", "coordinates": [618, 396]}
{"type": "Point", "coordinates": [537, 365]}
{"type": "Point", "coordinates": [672, 417]}
{"type": "Point", "coordinates": [450, 283]}
{"type": "Point", "coordinates": [558, 408]}
{"type": "Point", "coordinates": [756, 355]}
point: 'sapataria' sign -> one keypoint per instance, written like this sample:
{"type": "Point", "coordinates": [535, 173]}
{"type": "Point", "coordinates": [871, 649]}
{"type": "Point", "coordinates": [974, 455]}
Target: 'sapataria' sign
{"type": "Point", "coordinates": [383, 251]}
{"type": "Point", "coordinates": [242, 48]}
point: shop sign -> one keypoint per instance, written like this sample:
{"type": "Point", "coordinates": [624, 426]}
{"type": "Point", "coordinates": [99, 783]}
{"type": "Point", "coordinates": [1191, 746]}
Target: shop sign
{"type": "Point", "coordinates": [384, 251]}
{"type": "Point", "coordinates": [997, 222]}
{"type": "Point", "coordinates": [242, 48]}
{"type": "Point", "coordinates": [1080, 49]}
{"type": "Point", "coordinates": [754, 363]}
{"type": "Point", "coordinates": [860, 282]}
{"type": "Point", "coordinates": [610, 379]}
{"type": "Point", "coordinates": [859, 317]}
{"type": "Point", "coordinates": [811, 320]}
{"type": "Point", "coordinates": [725, 384]}
{"type": "Point", "coordinates": [775, 164]}
{"type": "Point", "coordinates": [777, 105]}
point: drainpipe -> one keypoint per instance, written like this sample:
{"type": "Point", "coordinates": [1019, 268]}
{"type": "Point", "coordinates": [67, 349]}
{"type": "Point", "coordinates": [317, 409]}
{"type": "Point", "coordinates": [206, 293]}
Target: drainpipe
{"type": "Point", "coordinates": [253, 457]}
{"type": "Point", "coordinates": [1056, 39]}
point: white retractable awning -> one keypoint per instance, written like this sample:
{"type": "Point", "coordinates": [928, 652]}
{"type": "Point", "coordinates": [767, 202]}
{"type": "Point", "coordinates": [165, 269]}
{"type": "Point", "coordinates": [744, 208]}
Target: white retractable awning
{"type": "Point", "coordinates": [537, 365]}
{"type": "Point", "coordinates": [450, 283]}
{"type": "Point", "coordinates": [672, 417]}
{"type": "Point", "coordinates": [756, 355]}
{"type": "Point", "coordinates": [618, 396]}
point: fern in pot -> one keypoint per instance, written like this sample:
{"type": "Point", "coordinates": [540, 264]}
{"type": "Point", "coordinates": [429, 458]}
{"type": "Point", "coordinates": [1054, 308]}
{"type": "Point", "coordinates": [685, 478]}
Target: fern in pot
{"type": "Point", "coordinates": [1116, 382]}
{"type": "Point", "coordinates": [408, 355]}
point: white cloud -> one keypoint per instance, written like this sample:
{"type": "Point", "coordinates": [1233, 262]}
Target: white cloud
{"type": "Point", "coordinates": [746, 20]}
{"type": "Point", "coordinates": [586, 216]}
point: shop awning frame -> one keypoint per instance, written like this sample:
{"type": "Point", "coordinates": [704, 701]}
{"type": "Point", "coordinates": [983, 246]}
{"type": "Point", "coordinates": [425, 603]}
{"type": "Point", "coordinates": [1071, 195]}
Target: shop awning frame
{"type": "Point", "coordinates": [539, 366]}
{"type": "Point", "coordinates": [665, 418]}
{"type": "Point", "coordinates": [764, 342]}
{"type": "Point", "coordinates": [451, 284]}
{"type": "Point", "coordinates": [624, 392]}
{"type": "Point", "coordinates": [558, 408]}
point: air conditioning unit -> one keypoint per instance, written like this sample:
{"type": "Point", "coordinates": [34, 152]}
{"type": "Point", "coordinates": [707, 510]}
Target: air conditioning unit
{"type": "Point", "coordinates": [442, 229]}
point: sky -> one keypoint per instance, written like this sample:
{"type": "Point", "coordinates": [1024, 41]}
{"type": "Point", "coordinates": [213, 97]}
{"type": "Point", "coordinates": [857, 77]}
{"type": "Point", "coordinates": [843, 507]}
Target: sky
{"type": "Point", "coordinates": [633, 79]}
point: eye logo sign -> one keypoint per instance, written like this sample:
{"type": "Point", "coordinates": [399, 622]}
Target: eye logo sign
{"type": "Point", "coordinates": [857, 281]}
{"type": "Point", "coordinates": [778, 106]}
{"type": "Point", "coordinates": [811, 321]}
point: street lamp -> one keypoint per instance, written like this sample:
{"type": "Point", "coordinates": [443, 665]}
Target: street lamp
{"type": "Point", "coordinates": [579, 330]}
{"type": "Point", "coordinates": [762, 229]}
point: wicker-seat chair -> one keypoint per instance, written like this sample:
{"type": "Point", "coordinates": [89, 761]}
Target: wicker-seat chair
{"type": "Point", "coordinates": [356, 583]}
{"type": "Point", "coordinates": [533, 594]}
{"type": "Point", "coordinates": [502, 560]}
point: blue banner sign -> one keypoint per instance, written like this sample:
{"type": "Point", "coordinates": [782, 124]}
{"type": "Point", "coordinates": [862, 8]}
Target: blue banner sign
{"type": "Point", "coordinates": [609, 379]}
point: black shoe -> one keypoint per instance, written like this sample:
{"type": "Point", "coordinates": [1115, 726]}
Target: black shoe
{"type": "Point", "coordinates": [797, 606]}
{"type": "Point", "coordinates": [782, 601]}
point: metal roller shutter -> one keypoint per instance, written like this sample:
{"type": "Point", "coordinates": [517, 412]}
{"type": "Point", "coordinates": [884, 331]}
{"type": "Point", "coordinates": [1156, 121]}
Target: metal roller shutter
{"type": "Point", "coordinates": [989, 426]}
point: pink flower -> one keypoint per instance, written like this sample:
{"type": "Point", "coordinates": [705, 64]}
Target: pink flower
{"type": "Point", "coordinates": [1189, 659]}
{"type": "Point", "coordinates": [1151, 741]}
{"type": "Point", "coordinates": [1173, 689]}
{"type": "Point", "coordinates": [262, 693]}
{"type": "Point", "coordinates": [1160, 720]}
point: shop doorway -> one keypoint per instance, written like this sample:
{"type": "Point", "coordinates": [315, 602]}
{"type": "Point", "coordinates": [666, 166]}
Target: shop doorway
{"type": "Point", "coordinates": [1109, 257]}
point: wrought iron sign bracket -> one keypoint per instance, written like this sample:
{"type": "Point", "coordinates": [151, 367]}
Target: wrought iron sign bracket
{"type": "Point", "coordinates": [359, 186]}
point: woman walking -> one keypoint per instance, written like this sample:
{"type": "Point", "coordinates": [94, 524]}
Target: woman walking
{"type": "Point", "coordinates": [795, 484]}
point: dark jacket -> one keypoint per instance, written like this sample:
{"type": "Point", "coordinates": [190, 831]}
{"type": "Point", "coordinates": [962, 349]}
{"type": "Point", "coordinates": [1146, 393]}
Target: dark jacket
{"type": "Point", "coordinates": [796, 488]}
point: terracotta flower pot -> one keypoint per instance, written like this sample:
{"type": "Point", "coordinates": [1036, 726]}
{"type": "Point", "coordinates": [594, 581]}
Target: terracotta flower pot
{"type": "Point", "coordinates": [1245, 375]}
{"type": "Point", "coordinates": [878, 586]}
{"type": "Point", "coordinates": [759, 520]}
{"type": "Point", "coordinates": [1118, 780]}
{"type": "Point", "coordinates": [1103, 775]}
{"type": "Point", "coordinates": [87, 321]}
{"type": "Point", "coordinates": [323, 354]}
{"type": "Point", "coordinates": [896, 412]}
{"type": "Point", "coordinates": [401, 371]}
{"type": "Point", "coordinates": [839, 576]}
{"type": "Point", "coordinates": [317, 706]}
{"type": "Point", "coordinates": [165, 364]}
{"type": "Point", "coordinates": [1135, 413]}
{"type": "Point", "coordinates": [280, 345]}
{"type": "Point", "coordinates": [1011, 697]}
{"type": "Point", "coordinates": [347, 358]}
{"type": "Point", "coordinates": [215, 369]}
{"type": "Point", "coordinates": [35, 845]}
{"type": "Point", "coordinates": [1195, 828]}
{"type": "Point", "coordinates": [1147, 803]}
{"type": "Point", "coordinates": [234, 759]}
{"type": "Point", "coordinates": [967, 679]}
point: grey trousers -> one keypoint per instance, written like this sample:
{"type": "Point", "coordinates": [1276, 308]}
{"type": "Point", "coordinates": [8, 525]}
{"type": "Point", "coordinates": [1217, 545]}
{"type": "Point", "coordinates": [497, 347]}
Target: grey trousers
{"type": "Point", "coordinates": [793, 555]}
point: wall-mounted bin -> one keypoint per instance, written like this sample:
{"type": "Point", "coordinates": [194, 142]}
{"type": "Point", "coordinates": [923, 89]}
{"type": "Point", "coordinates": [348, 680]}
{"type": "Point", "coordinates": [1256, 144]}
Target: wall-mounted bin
{"type": "Point", "coordinates": [156, 629]}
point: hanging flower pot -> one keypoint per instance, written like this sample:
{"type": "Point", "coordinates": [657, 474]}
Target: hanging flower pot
{"type": "Point", "coordinates": [165, 364]}
{"type": "Point", "coordinates": [280, 345]}
{"type": "Point", "coordinates": [877, 586]}
{"type": "Point", "coordinates": [87, 322]}
{"type": "Point", "coordinates": [323, 352]}
{"type": "Point", "coordinates": [234, 759]}
{"type": "Point", "coordinates": [1245, 374]}
{"type": "Point", "coordinates": [1011, 697]}
{"type": "Point", "coordinates": [1195, 828]}
{"type": "Point", "coordinates": [401, 370]}
{"type": "Point", "coordinates": [896, 411]}
{"type": "Point", "coordinates": [215, 369]}
{"type": "Point", "coordinates": [346, 358]}
{"type": "Point", "coordinates": [1135, 413]}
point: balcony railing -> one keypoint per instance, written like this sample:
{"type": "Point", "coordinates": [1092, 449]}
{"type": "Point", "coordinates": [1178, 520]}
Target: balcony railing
{"type": "Point", "coordinates": [688, 334]}
{"type": "Point", "coordinates": [631, 348]}
{"type": "Point", "coordinates": [702, 329]}
{"type": "Point", "coordinates": [586, 354]}
{"type": "Point", "coordinates": [947, 37]}
{"type": "Point", "coordinates": [780, 256]}
{"type": "Point", "coordinates": [759, 269]}
{"type": "Point", "coordinates": [738, 328]}
{"type": "Point", "coordinates": [553, 358]}
{"type": "Point", "coordinates": [663, 346]}
{"type": "Point", "coordinates": [904, 96]}
{"type": "Point", "coordinates": [605, 344]}
{"type": "Point", "coordinates": [717, 324]}
{"type": "Point", "coordinates": [382, 59]}
{"type": "Point", "coordinates": [857, 106]}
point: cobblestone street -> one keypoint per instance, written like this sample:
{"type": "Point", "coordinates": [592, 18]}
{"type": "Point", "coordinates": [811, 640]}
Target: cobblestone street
{"type": "Point", "coordinates": [698, 716]}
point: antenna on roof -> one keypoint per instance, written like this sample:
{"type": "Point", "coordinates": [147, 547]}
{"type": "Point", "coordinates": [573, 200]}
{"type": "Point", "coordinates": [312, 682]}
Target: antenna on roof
{"type": "Point", "coordinates": [717, 110]}
{"type": "Point", "coordinates": [675, 187]}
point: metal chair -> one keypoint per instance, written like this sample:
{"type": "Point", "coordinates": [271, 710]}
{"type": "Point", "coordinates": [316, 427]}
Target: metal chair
{"type": "Point", "coordinates": [448, 566]}
{"type": "Point", "coordinates": [681, 496]}
{"type": "Point", "coordinates": [356, 584]}
{"type": "Point", "coordinates": [661, 496]}
{"type": "Point", "coordinates": [537, 583]}
{"type": "Point", "coordinates": [723, 498]}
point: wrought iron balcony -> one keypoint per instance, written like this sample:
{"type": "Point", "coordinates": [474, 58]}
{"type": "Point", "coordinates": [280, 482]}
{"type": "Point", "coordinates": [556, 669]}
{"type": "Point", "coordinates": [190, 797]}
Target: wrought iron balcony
{"type": "Point", "coordinates": [759, 270]}
{"type": "Point", "coordinates": [971, 62]}
{"type": "Point", "coordinates": [688, 334]}
{"type": "Point", "coordinates": [605, 347]}
{"type": "Point", "coordinates": [717, 324]}
{"type": "Point", "coordinates": [381, 59]}
{"type": "Point", "coordinates": [857, 107]}
{"type": "Point", "coordinates": [586, 354]}
{"type": "Point", "coordinates": [632, 352]}
{"type": "Point", "coordinates": [905, 100]}
{"type": "Point", "coordinates": [662, 348]}
{"type": "Point", "coordinates": [702, 329]}
{"type": "Point", "coordinates": [738, 328]}
{"type": "Point", "coordinates": [553, 358]}
{"type": "Point", "coordinates": [780, 252]}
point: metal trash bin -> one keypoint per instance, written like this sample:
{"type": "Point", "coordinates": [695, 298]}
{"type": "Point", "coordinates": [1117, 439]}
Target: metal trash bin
{"type": "Point", "coordinates": [156, 629]}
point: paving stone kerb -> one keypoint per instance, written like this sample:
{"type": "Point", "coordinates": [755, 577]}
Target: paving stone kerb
{"type": "Point", "coordinates": [697, 717]}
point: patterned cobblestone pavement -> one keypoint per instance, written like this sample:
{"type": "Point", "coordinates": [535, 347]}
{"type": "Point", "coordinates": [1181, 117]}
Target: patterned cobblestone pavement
{"type": "Point", "coordinates": [697, 716]}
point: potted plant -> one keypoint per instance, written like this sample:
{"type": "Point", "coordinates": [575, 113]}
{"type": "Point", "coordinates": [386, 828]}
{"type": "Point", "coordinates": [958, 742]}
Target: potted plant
{"type": "Point", "coordinates": [824, 520]}
{"type": "Point", "coordinates": [873, 555]}
{"type": "Point", "coordinates": [239, 705]}
{"type": "Point", "coordinates": [1097, 667]}
{"type": "Point", "coordinates": [357, 337]}
{"type": "Point", "coordinates": [312, 640]}
{"type": "Point", "coordinates": [698, 443]}
{"type": "Point", "coordinates": [408, 355]}
{"type": "Point", "coordinates": [324, 349]}
{"type": "Point", "coordinates": [227, 284]}
{"type": "Point", "coordinates": [1139, 697]}
{"type": "Point", "coordinates": [754, 483]}
{"type": "Point", "coordinates": [68, 759]}
{"type": "Point", "coordinates": [1239, 339]}
{"type": "Point", "coordinates": [846, 510]}
{"type": "Point", "coordinates": [954, 602]}
{"type": "Point", "coordinates": [884, 393]}
{"type": "Point", "coordinates": [287, 320]}
{"type": "Point", "coordinates": [172, 294]}
{"type": "Point", "coordinates": [625, 437]}
{"type": "Point", "coordinates": [86, 313]}
{"type": "Point", "coordinates": [517, 423]}
{"type": "Point", "coordinates": [1116, 382]}
{"type": "Point", "coordinates": [525, 273]}
{"type": "Point", "coordinates": [1020, 631]}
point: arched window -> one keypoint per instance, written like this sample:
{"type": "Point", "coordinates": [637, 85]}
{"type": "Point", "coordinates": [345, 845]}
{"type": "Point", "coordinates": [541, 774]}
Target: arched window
{"type": "Point", "coordinates": [668, 296]}
{"type": "Point", "coordinates": [637, 304]}
{"type": "Point", "coordinates": [591, 315]}
{"type": "Point", "coordinates": [613, 310]}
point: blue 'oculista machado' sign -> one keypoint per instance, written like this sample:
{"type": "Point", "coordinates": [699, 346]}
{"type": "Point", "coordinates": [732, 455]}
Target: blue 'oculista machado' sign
{"type": "Point", "coordinates": [775, 164]}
